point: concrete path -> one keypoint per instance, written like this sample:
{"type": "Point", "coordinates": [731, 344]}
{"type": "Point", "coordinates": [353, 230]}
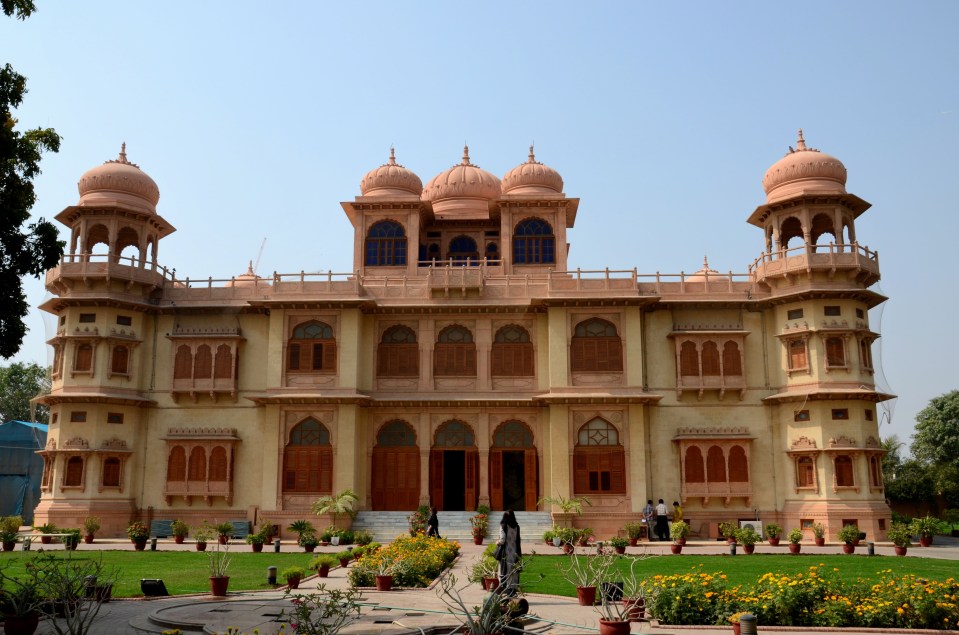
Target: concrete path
{"type": "Point", "coordinates": [406, 611]}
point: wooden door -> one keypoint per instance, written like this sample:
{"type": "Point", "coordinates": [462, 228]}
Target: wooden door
{"type": "Point", "coordinates": [496, 478]}
{"type": "Point", "coordinates": [396, 478]}
{"type": "Point", "coordinates": [436, 478]}
{"type": "Point", "coordinates": [531, 472]}
{"type": "Point", "coordinates": [472, 479]}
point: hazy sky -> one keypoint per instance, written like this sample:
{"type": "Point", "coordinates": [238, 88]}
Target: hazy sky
{"type": "Point", "coordinates": [256, 119]}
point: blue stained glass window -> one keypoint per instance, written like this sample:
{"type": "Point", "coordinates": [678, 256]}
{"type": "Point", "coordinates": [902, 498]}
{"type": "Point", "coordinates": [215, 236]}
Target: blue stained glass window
{"type": "Point", "coordinates": [534, 243]}
{"type": "Point", "coordinates": [386, 244]}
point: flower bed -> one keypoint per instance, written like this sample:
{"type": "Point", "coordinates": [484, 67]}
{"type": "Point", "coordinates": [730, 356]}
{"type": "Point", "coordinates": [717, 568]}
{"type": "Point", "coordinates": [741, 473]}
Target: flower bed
{"type": "Point", "coordinates": [814, 598]}
{"type": "Point", "coordinates": [414, 560]}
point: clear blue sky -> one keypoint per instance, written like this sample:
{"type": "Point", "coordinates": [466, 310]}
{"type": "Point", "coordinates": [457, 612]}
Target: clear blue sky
{"type": "Point", "coordinates": [256, 119]}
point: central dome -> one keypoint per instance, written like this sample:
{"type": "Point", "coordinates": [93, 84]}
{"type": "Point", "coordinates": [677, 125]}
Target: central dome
{"type": "Point", "coordinates": [118, 182]}
{"type": "Point", "coordinates": [463, 191]}
{"type": "Point", "coordinates": [804, 171]}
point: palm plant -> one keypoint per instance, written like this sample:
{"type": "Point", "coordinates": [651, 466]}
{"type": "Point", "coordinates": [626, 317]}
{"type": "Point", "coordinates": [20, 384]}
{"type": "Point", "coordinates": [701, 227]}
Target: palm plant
{"type": "Point", "coordinates": [336, 504]}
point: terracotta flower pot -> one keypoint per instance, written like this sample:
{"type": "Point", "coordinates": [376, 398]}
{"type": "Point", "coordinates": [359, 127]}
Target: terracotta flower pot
{"type": "Point", "coordinates": [676, 548]}
{"type": "Point", "coordinates": [610, 627]}
{"type": "Point", "coordinates": [773, 542]}
{"type": "Point", "coordinates": [257, 547]}
{"type": "Point", "coordinates": [620, 550]}
{"type": "Point", "coordinates": [324, 571]}
{"type": "Point", "coordinates": [140, 545]}
{"type": "Point", "coordinates": [748, 549]}
{"type": "Point", "coordinates": [21, 624]}
{"type": "Point", "coordinates": [178, 539]}
{"type": "Point", "coordinates": [633, 542]}
{"type": "Point", "coordinates": [736, 627]}
{"type": "Point", "coordinates": [200, 545]}
{"type": "Point", "coordinates": [218, 585]}
{"type": "Point", "coordinates": [223, 539]}
{"type": "Point", "coordinates": [636, 608]}
{"type": "Point", "coordinates": [681, 541]}
{"type": "Point", "coordinates": [925, 541]}
{"type": "Point", "coordinates": [586, 595]}
{"type": "Point", "coordinates": [9, 545]}
{"type": "Point", "coordinates": [477, 540]}
{"type": "Point", "coordinates": [900, 551]}
{"type": "Point", "coordinates": [293, 582]}
{"type": "Point", "coordinates": [848, 547]}
{"type": "Point", "coordinates": [344, 562]}
{"type": "Point", "coordinates": [309, 548]}
{"type": "Point", "coordinates": [384, 583]}
{"type": "Point", "coordinates": [46, 540]}
{"type": "Point", "coordinates": [490, 584]}
{"type": "Point", "coordinates": [820, 541]}
{"type": "Point", "coordinates": [88, 539]}
{"type": "Point", "coordinates": [567, 548]}
{"type": "Point", "coordinates": [795, 548]}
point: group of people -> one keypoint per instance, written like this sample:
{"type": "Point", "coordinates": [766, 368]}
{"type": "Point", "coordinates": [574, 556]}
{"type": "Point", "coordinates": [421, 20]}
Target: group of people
{"type": "Point", "coordinates": [510, 553]}
{"type": "Point", "coordinates": [658, 517]}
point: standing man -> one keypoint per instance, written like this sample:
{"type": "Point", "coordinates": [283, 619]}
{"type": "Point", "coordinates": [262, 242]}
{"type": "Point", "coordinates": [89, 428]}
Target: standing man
{"type": "Point", "coordinates": [662, 523]}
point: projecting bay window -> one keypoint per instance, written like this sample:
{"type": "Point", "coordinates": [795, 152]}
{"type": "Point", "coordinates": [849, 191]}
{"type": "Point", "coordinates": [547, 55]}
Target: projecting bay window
{"type": "Point", "coordinates": [710, 361]}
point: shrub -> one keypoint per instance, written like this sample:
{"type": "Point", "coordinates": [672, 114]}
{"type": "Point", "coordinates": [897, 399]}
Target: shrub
{"type": "Point", "coordinates": [818, 530]}
{"type": "Point", "coordinates": [323, 560]}
{"type": "Point", "coordinates": [423, 559]}
{"type": "Point", "coordinates": [849, 534]}
{"type": "Point", "coordinates": [634, 530]}
{"type": "Point", "coordinates": [363, 537]}
{"type": "Point", "coordinates": [678, 530]}
{"type": "Point", "coordinates": [924, 527]}
{"type": "Point", "coordinates": [773, 530]}
{"type": "Point", "coordinates": [91, 525]}
{"type": "Point", "coordinates": [138, 531]}
{"type": "Point", "coordinates": [900, 535]}
{"type": "Point", "coordinates": [746, 535]}
{"type": "Point", "coordinates": [179, 529]}
{"type": "Point", "coordinates": [795, 536]}
{"type": "Point", "coordinates": [618, 541]}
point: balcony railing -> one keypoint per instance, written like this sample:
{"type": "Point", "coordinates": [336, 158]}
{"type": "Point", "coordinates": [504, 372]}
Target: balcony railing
{"type": "Point", "coordinates": [823, 257]}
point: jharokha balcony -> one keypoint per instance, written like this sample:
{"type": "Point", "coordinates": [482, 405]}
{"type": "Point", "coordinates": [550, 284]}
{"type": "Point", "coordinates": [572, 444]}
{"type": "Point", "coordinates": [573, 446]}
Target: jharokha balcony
{"type": "Point", "coordinates": [849, 260]}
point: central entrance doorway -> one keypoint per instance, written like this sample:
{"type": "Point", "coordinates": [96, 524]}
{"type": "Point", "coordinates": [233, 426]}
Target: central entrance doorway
{"type": "Point", "coordinates": [454, 468]}
{"type": "Point", "coordinates": [513, 468]}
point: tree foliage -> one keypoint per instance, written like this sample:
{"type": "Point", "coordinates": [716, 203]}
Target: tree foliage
{"type": "Point", "coordinates": [37, 249]}
{"type": "Point", "coordinates": [19, 383]}
{"type": "Point", "coordinates": [935, 446]}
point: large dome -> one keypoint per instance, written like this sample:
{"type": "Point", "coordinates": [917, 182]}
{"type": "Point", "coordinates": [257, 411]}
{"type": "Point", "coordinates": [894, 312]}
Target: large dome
{"type": "Point", "coordinates": [118, 182]}
{"type": "Point", "coordinates": [804, 171]}
{"type": "Point", "coordinates": [532, 177]}
{"type": "Point", "coordinates": [464, 190]}
{"type": "Point", "coordinates": [390, 179]}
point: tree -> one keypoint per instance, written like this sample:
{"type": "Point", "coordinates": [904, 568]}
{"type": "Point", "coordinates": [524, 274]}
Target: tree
{"type": "Point", "coordinates": [19, 383]}
{"type": "Point", "coordinates": [335, 504]}
{"type": "Point", "coordinates": [37, 249]}
{"type": "Point", "coordinates": [936, 444]}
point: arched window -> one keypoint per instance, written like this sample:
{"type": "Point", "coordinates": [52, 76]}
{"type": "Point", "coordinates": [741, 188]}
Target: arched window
{"type": "Point", "coordinates": [308, 459]}
{"type": "Point", "coordinates": [219, 465]}
{"type": "Point", "coordinates": [183, 363]}
{"type": "Point", "coordinates": [111, 472]}
{"type": "Point", "coordinates": [596, 347]}
{"type": "Point", "coordinates": [512, 434]}
{"type": "Point", "coordinates": [74, 472]}
{"type": "Point", "coordinates": [312, 349]}
{"type": "Point", "coordinates": [688, 360]}
{"type": "Point", "coordinates": [715, 465]}
{"type": "Point", "coordinates": [492, 251]}
{"type": "Point", "coordinates": [176, 464]}
{"type": "Point", "coordinates": [533, 243]}
{"type": "Point", "coordinates": [790, 229]}
{"type": "Point", "coordinates": [83, 362]}
{"type": "Point", "coordinates": [512, 353]}
{"type": "Point", "coordinates": [455, 353]}
{"type": "Point", "coordinates": [710, 359]}
{"type": "Point", "coordinates": [797, 355]}
{"type": "Point", "coordinates": [875, 471]}
{"type": "Point", "coordinates": [386, 244]}
{"type": "Point", "coordinates": [396, 434]}
{"type": "Point", "coordinates": [599, 460]}
{"type": "Point", "coordinates": [395, 470]}
{"type": "Point", "coordinates": [844, 473]}
{"type": "Point", "coordinates": [398, 354]}
{"type": "Point", "coordinates": [463, 248]}
{"type": "Point", "coordinates": [694, 471]}
{"type": "Point", "coordinates": [738, 465]}
{"type": "Point", "coordinates": [805, 472]}
{"type": "Point", "coordinates": [203, 363]}
{"type": "Point", "coordinates": [196, 469]}
{"type": "Point", "coordinates": [835, 352]}
{"type": "Point", "coordinates": [455, 434]}
{"type": "Point", "coordinates": [223, 365]}
{"type": "Point", "coordinates": [822, 227]}
{"type": "Point", "coordinates": [120, 360]}
{"type": "Point", "coordinates": [732, 362]}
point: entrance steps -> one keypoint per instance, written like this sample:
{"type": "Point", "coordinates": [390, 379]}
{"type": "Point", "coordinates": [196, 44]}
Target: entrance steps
{"type": "Point", "coordinates": [385, 526]}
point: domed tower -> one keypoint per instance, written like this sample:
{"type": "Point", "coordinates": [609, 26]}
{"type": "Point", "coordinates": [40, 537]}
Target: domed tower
{"type": "Point", "coordinates": [825, 400]}
{"type": "Point", "coordinates": [463, 192]}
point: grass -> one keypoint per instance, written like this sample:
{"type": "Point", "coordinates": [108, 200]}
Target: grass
{"type": "Point", "coordinates": [182, 572]}
{"type": "Point", "coordinates": [544, 574]}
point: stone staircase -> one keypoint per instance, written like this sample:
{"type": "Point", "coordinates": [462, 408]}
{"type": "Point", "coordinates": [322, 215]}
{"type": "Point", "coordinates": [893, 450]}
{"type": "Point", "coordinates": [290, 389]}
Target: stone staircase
{"type": "Point", "coordinates": [453, 525]}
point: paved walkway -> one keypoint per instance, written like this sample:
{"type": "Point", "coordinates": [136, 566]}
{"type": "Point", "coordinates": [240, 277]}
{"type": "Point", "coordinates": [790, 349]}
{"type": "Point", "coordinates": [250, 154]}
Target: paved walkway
{"type": "Point", "coordinates": [405, 611]}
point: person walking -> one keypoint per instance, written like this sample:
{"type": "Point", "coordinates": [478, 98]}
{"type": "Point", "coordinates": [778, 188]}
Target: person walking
{"type": "Point", "coordinates": [511, 553]}
{"type": "Point", "coordinates": [433, 523]}
{"type": "Point", "coordinates": [662, 522]}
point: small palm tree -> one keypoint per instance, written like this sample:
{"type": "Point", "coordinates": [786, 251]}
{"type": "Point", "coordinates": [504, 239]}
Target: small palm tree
{"type": "Point", "coordinates": [568, 505]}
{"type": "Point", "coordinates": [335, 504]}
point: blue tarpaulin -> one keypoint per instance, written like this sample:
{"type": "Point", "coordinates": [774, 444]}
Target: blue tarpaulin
{"type": "Point", "coordinates": [20, 467]}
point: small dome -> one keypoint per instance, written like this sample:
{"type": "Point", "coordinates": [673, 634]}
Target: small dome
{"type": "Point", "coordinates": [249, 279]}
{"type": "Point", "coordinates": [463, 180]}
{"type": "Point", "coordinates": [532, 177]}
{"type": "Point", "coordinates": [390, 179]}
{"type": "Point", "coordinates": [804, 171]}
{"type": "Point", "coordinates": [118, 181]}
{"type": "Point", "coordinates": [703, 274]}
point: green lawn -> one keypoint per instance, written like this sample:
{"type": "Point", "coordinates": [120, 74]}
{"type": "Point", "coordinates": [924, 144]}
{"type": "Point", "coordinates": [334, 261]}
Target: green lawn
{"type": "Point", "coordinates": [181, 571]}
{"type": "Point", "coordinates": [741, 569]}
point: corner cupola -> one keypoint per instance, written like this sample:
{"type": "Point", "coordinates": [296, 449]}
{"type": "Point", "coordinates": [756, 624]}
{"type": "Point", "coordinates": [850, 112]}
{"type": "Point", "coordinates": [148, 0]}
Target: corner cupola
{"type": "Point", "coordinates": [119, 183]}
{"type": "Point", "coordinates": [804, 171]}
{"type": "Point", "coordinates": [532, 178]}
{"type": "Point", "coordinates": [390, 179]}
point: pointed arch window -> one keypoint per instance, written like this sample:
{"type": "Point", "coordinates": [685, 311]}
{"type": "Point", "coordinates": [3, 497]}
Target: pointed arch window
{"type": "Point", "coordinates": [312, 349]}
{"type": "Point", "coordinates": [183, 363]}
{"type": "Point", "coordinates": [534, 243]}
{"type": "Point", "coordinates": [398, 354]}
{"type": "Point", "coordinates": [203, 362]}
{"type": "Point", "coordinates": [513, 434]}
{"type": "Point", "coordinates": [308, 459]}
{"type": "Point", "coordinates": [596, 347]}
{"type": "Point", "coordinates": [512, 353]}
{"type": "Point", "coordinates": [455, 353]}
{"type": "Point", "coordinates": [599, 459]}
{"type": "Point", "coordinates": [176, 464]}
{"type": "Point", "coordinates": [386, 244]}
{"type": "Point", "coordinates": [396, 434]}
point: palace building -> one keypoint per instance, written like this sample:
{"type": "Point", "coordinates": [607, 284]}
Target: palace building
{"type": "Point", "coordinates": [462, 362]}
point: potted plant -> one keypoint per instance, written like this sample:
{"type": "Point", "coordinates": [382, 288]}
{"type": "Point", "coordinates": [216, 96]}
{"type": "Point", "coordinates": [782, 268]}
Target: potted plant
{"type": "Point", "coordinates": [300, 527]}
{"type": "Point", "coordinates": [585, 572]}
{"type": "Point", "coordinates": [91, 525]}
{"type": "Point", "coordinates": [363, 537]}
{"type": "Point", "coordinates": [618, 543]}
{"type": "Point", "coordinates": [224, 531]}
{"type": "Point", "coordinates": [219, 563]}
{"type": "Point", "coordinates": [256, 540]}
{"type": "Point", "coordinates": [728, 531]}
{"type": "Point", "coordinates": [951, 518]}
{"type": "Point", "coordinates": [548, 536]}
{"type": "Point", "coordinates": [72, 538]}
{"type": "Point", "coordinates": [336, 504]}
{"type": "Point", "coordinates": [9, 531]}
{"type": "Point", "coordinates": [634, 593]}
{"type": "Point", "coordinates": [138, 534]}
{"type": "Point", "coordinates": [417, 520]}
{"type": "Point", "coordinates": [383, 572]}
{"type": "Point", "coordinates": [634, 531]}
{"type": "Point", "coordinates": [20, 601]}
{"type": "Point", "coordinates": [568, 506]}
{"type": "Point", "coordinates": [492, 615]}
{"type": "Point", "coordinates": [180, 531]}
{"type": "Point", "coordinates": [795, 537]}
{"type": "Point", "coordinates": [773, 533]}
{"type": "Point", "coordinates": [480, 525]}
{"type": "Point", "coordinates": [734, 620]}
{"type": "Point", "coordinates": [613, 616]}
{"type": "Point", "coordinates": [323, 564]}
{"type": "Point", "coordinates": [293, 575]}
{"type": "Point", "coordinates": [485, 571]}
{"type": "Point", "coordinates": [849, 535]}
{"type": "Point", "coordinates": [202, 534]}
{"type": "Point", "coordinates": [819, 534]}
{"type": "Point", "coordinates": [925, 528]}
{"type": "Point", "coordinates": [584, 535]}
{"type": "Point", "coordinates": [901, 536]}
{"type": "Point", "coordinates": [308, 541]}
{"type": "Point", "coordinates": [748, 538]}
{"type": "Point", "coordinates": [679, 531]}
{"type": "Point", "coordinates": [344, 557]}
{"type": "Point", "coordinates": [567, 538]}
{"type": "Point", "coordinates": [46, 528]}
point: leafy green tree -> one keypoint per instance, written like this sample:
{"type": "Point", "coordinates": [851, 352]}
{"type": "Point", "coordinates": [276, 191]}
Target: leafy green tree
{"type": "Point", "coordinates": [19, 383]}
{"type": "Point", "coordinates": [936, 444]}
{"type": "Point", "coordinates": [37, 249]}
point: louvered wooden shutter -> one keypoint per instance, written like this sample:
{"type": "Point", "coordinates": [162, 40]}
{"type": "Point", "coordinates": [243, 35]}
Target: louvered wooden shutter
{"type": "Point", "coordinates": [111, 473]}
{"type": "Point", "coordinates": [223, 365]}
{"type": "Point", "coordinates": [531, 472]}
{"type": "Point", "coordinates": [176, 464]}
{"type": "Point", "coordinates": [436, 478]}
{"type": "Point", "coordinates": [74, 475]}
{"type": "Point", "coordinates": [472, 479]}
{"type": "Point", "coordinates": [580, 473]}
{"type": "Point", "coordinates": [183, 365]}
{"type": "Point", "coordinates": [293, 353]}
{"type": "Point", "coordinates": [329, 357]}
{"type": "Point", "coordinates": [203, 363]}
{"type": "Point", "coordinates": [84, 358]}
{"type": "Point", "coordinates": [118, 363]}
{"type": "Point", "coordinates": [496, 478]}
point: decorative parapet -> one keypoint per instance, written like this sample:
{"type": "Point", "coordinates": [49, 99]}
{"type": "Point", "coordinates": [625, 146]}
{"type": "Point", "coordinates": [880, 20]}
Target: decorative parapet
{"type": "Point", "coordinates": [842, 442]}
{"type": "Point", "coordinates": [114, 445]}
{"type": "Point", "coordinates": [205, 433]}
{"type": "Point", "coordinates": [803, 443]}
{"type": "Point", "coordinates": [206, 332]}
{"type": "Point", "coordinates": [714, 432]}
{"type": "Point", "coordinates": [76, 443]}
